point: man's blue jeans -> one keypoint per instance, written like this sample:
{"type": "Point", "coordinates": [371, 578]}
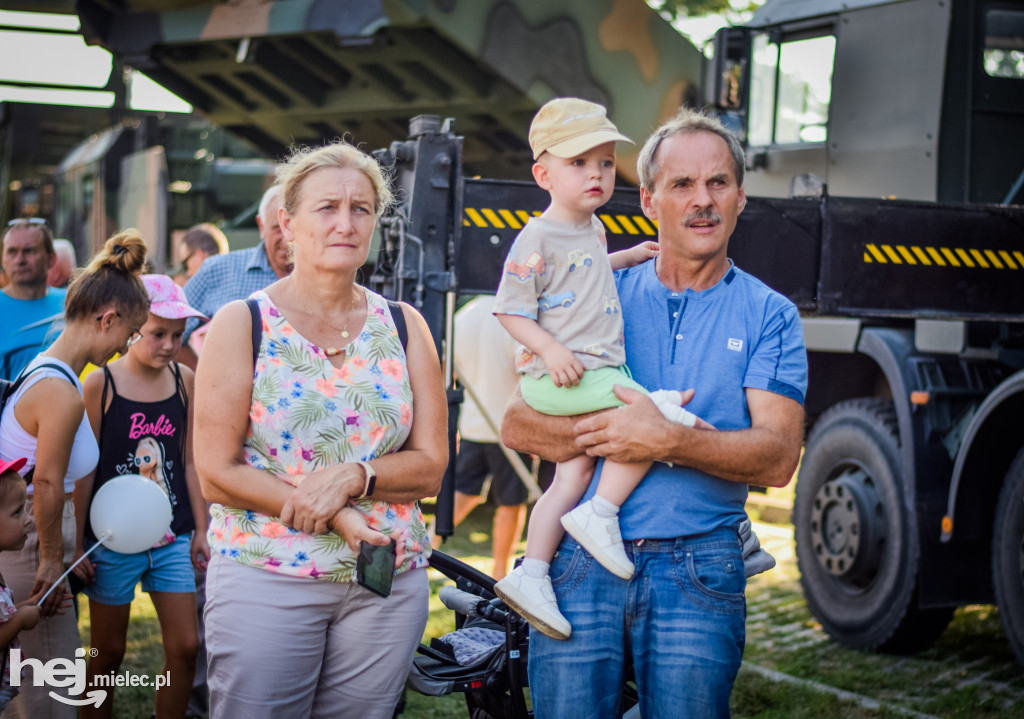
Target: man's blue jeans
{"type": "Point", "coordinates": [681, 618]}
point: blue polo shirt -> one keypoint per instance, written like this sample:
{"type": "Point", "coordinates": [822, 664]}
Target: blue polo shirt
{"type": "Point", "coordinates": [27, 327]}
{"type": "Point", "coordinates": [225, 278]}
{"type": "Point", "coordinates": [734, 335]}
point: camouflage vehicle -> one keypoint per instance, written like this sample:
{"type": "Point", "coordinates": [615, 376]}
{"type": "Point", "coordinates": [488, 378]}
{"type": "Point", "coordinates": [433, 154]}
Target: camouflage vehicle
{"type": "Point", "coordinates": [299, 72]}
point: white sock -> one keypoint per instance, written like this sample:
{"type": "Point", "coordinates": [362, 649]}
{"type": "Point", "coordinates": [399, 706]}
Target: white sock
{"type": "Point", "coordinates": [536, 568]}
{"type": "Point", "coordinates": [667, 396]}
{"type": "Point", "coordinates": [604, 508]}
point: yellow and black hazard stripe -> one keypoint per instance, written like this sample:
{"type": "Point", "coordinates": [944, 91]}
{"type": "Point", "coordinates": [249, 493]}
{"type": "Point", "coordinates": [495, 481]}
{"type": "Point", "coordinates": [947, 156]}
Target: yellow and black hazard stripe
{"type": "Point", "coordinates": [499, 219]}
{"type": "Point", "coordinates": [944, 257]}
{"type": "Point", "coordinates": [630, 225]}
{"type": "Point", "coordinates": [485, 217]}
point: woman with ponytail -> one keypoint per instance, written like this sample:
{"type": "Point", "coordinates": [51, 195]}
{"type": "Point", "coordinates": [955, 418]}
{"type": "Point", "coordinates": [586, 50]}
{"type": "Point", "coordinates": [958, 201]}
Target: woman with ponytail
{"type": "Point", "coordinates": [45, 420]}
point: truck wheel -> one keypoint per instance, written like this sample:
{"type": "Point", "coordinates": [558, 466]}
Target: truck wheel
{"type": "Point", "coordinates": [856, 540]}
{"type": "Point", "coordinates": [1008, 555]}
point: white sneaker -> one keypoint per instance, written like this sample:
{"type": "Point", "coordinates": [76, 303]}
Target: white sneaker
{"type": "Point", "coordinates": [534, 600]}
{"type": "Point", "coordinates": [601, 537]}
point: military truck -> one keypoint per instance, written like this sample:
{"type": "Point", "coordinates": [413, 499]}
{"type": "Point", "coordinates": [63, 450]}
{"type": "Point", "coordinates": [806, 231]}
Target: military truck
{"type": "Point", "coordinates": [161, 175]}
{"type": "Point", "coordinates": [909, 497]}
{"type": "Point", "coordinates": [884, 164]}
{"type": "Point", "coordinates": [92, 170]}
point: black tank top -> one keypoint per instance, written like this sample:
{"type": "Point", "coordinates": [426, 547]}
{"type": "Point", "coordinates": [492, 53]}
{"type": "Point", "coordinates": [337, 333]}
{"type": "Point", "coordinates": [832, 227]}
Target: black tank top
{"type": "Point", "coordinates": [146, 438]}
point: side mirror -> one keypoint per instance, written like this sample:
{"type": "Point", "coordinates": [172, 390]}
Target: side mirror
{"type": "Point", "coordinates": [727, 76]}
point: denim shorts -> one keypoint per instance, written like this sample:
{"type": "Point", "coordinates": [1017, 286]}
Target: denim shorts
{"type": "Point", "coordinates": [680, 620]}
{"type": "Point", "coordinates": [164, 569]}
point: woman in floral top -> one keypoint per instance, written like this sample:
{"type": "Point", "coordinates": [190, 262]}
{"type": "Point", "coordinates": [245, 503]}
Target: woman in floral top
{"type": "Point", "coordinates": [286, 452]}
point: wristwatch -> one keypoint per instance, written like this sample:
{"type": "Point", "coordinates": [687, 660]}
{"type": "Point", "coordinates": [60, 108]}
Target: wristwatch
{"type": "Point", "coordinates": [370, 482]}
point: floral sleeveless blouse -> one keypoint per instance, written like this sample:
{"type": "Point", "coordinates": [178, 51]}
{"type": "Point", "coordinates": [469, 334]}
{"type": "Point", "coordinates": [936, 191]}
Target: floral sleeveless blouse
{"type": "Point", "coordinates": [307, 414]}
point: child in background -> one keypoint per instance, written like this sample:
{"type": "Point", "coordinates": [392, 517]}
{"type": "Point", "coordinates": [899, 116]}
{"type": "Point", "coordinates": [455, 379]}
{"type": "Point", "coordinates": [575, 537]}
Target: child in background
{"type": "Point", "coordinates": [140, 410]}
{"type": "Point", "coordinates": [13, 532]}
{"type": "Point", "coordinates": [557, 297]}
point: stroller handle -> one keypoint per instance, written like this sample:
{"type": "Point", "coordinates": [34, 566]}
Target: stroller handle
{"type": "Point", "coordinates": [460, 601]}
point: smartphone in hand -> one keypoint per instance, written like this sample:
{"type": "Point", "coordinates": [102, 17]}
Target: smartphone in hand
{"type": "Point", "coordinates": [375, 567]}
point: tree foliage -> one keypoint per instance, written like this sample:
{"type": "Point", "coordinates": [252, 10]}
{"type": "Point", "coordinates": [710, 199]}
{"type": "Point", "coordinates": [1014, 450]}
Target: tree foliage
{"type": "Point", "coordinates": [697, 8]}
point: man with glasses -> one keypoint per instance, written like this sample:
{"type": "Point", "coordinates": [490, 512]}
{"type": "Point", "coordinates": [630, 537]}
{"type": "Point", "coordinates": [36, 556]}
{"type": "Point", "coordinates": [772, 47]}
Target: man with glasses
{"type": "Point", "coordinates": [200, 243]}
{"type": "Point", "coordinates": [31, 312]}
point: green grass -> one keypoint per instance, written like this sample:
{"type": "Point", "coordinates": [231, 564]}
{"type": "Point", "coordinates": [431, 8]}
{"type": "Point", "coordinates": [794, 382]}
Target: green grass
{"type": "Point", "coordinates": [143, 655]}
{"type": "Point", "coordinates": [755, 696]}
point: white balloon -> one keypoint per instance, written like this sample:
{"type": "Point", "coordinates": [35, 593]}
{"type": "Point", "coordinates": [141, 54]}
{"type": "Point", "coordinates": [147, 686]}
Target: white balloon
{"type": "Point", "coordinates": [133, 510]}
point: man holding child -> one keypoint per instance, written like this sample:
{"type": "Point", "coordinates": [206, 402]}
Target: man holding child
{"type": "Point", "coordinates": [692, 320]}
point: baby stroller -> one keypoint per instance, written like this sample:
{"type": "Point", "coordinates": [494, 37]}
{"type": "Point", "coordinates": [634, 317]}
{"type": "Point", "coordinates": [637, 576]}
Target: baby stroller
{"type": "Point", "coordinates": [492, 674]}
{"type": "Point", "coordinates": [493, 677]}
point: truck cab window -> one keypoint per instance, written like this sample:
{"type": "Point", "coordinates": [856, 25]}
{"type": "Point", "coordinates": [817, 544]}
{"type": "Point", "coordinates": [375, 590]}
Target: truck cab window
{"type": "Point", "coordinates": [790, 91]}
{"type": "Point", "coordinates": [764, 69]}
{"type": "Point", "coordinates": [1004, 44]}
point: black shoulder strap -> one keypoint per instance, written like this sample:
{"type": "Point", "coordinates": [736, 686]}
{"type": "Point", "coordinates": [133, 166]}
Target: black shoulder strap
{"type": "Point", "coordinates": [20, 381]}
{"type": "Point", "coordinates": [257, 329]}
{"type": "Point", "coordinates": [25, 374]}
{"type": "Point", "coordinates": [108, 381]}
{"type": "Point", "coordinates": [179, 383]}
{"type": "Point", "coordinates": [398, 315]}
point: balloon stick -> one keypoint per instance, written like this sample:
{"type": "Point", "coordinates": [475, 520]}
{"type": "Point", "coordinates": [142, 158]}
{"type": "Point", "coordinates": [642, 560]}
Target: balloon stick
{"type": "Point", "coordinates": [106, 536]}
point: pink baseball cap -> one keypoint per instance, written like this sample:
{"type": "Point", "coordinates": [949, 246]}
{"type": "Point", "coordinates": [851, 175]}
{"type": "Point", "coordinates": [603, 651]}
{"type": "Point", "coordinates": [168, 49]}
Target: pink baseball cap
{"type": "Point", "coordinates": [167, 300]}
{"type": "Point", "coordinates": [14, 464]}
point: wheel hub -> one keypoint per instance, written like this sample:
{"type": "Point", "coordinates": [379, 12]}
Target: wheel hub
{"type": "Point", "coordinates": [848, 526]}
